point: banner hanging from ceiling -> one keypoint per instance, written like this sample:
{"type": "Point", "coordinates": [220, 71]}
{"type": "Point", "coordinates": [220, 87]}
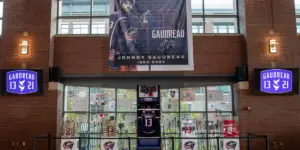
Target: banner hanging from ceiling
{"type": "Point", "coordinates": [150, 36]}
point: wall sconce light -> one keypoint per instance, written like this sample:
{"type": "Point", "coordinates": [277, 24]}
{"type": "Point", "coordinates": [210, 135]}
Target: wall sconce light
{"type": "Point", "coordinates": [272, 46]}
{"type": "Point", "coordinates": [24, 47]}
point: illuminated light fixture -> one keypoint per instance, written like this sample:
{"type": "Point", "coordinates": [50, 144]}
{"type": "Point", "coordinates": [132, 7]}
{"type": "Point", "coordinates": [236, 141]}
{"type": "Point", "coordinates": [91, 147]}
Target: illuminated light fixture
{"type": "Point", "coordinates": [24, 47]}
{"type": "Point", "coordinates": [272, 46]}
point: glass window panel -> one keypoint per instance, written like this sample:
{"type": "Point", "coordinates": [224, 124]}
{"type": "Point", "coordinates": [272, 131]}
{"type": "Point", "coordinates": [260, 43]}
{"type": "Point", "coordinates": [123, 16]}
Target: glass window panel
{"type": "Point", "coordinates": [167, 143]}
{"type": "Point", "coordinates": [84, 29]}
{"type": "Point", "coordinates": [215, 120]}
{"type": "Point", "coordinates": [197, 28]}
{"type": "Point", "coordinates": [215, 29]}
{"type": "Point", "coordinates": [170, 123]}
{"type": "Point", "coordinates": [219, 7]}
{"type": "Point", "coordinates": [192, 99]}
{"type": "Point", "coordinates": [102, 100]}
{"type": "Point", "coordinates": [80, 28]}
{"type": "Point", "coordinates": [64, 29]}
{"type": "Point", "coordinates": [297, 6]}
{"type": "Point", "coordinates": [75, 125]}
{"type": "Point", "coordinates": [74, 7]}
{"type": "Point", "coordinates": [1, 9]}
{"type": "Point", "coordinates": [102, 126]}
{"type": "Point", "coordinates": [170, 99]}
{"type": "Point", "coordinates": [75, 26]}
{"type": "Point", "coordinates": [222, 30]}
{"type": "Point", "coordinates": [220, 25]}
{"type": "Point", "coordinates": [231, 29]}
{"type": "Point", "coordinates": [100, 122]}
{"type": "Point", "coordinates": [126, 123]}
{"type": "Point", "coordinates": [101, 8]}
{"type": "Point", "coordinates": [298, 25]}
{"type": "Point", "coordinates": [196, 120]}
{"type": "Point", "coordinates": [123, 143]}
{"type": "Point", "coordinates": [100, 26]}
{"type": "Point", "coordinates": [126, 100]}
{"type": "Point", "coordinates": [197, 25]}
{"type": "Point", "coordinates": [219, 98]}
{"type": "Point", "coordinates": [76, 98]}
{"type": "Point", "coordinates": [197, 6]}
{"type": "Point", "coordinates": [193, 125]}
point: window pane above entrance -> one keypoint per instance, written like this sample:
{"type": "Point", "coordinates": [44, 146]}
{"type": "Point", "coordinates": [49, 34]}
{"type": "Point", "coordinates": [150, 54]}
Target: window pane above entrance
{"type": "Point", "coordinates": [220, 7]}
{"type": "Point", "coordinates": [297, 7]}
{"type": "Point", "coordinates": [74, 7]}
{"type": "Point", "coordinates": [100, 7]}
{"type": "Point", "coordinates": [221, 25]}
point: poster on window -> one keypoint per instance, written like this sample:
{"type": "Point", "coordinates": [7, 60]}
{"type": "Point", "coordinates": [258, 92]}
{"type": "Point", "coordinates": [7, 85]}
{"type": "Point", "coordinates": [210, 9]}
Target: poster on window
{"type": "Point", "coordinates": [150, 36]}
{"type": "Point", "coordinates": [69, 144]}
{"type": "Point", "coordinates": [230, 128]}
{"type": "Point", "coordinates": [188, 130]}
{"type": "Point", "coordinates": [188, 94]}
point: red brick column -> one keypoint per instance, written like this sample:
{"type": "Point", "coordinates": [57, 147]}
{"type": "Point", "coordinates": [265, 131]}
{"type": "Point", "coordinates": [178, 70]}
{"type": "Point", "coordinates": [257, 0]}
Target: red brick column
{"type": "Point", "coordinates": [22, 117]}
{"type": "Point", "coordinates": [271, 115]}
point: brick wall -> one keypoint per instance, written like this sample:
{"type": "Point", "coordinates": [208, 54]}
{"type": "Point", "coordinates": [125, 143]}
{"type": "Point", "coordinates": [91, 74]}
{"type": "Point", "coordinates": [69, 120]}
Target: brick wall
{"type": "Point", "coordinates": [213, 54]}
{"type": "Point", "coordinates": [276, 116]}
{"type": "Point", "coordinates": [22, 117]}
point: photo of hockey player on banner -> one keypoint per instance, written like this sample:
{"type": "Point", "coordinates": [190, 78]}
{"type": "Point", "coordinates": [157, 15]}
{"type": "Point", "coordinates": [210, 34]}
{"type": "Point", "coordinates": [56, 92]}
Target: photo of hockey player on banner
{"type": "Point", "coordinates": [148, 33]}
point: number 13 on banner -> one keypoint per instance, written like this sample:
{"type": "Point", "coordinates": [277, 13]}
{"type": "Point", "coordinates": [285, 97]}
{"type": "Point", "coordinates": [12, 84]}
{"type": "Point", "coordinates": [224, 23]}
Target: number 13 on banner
{"type": "Point", "coordinates": [268, 84]}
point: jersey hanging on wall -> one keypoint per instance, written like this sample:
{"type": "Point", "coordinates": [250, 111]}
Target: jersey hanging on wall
{"type": "Point", "coordinates": [188, 130]}
{"type": "Point", "coordinates": [149, 124]}
{"type": "Point", "coordinates": [70, 128]}
{"type": "Point", "coordinates": [110, 131]}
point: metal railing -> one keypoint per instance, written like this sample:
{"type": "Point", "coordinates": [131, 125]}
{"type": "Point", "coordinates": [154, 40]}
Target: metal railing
{"type": "Point", "coordinates": [48, 143]}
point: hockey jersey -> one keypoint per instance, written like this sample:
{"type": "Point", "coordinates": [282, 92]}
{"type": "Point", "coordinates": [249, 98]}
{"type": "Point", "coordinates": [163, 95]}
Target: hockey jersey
{"type": "Point", "coordinates": [149, 124]}
{"type": "Point", "coordinates": [188, 129]}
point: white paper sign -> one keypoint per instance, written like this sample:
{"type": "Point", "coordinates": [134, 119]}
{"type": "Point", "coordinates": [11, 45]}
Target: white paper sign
{"type": "Point", "coordinates": [69, 144]}
{"type": "Point", "coordinates": [111, 105]}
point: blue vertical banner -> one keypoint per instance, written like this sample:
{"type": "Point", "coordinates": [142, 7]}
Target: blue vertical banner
{"type": "Point", "coordinates": [149, 32]}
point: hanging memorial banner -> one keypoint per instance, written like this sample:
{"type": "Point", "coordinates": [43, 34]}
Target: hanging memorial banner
{"type": "Point", "coordinates": [150, 33]}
